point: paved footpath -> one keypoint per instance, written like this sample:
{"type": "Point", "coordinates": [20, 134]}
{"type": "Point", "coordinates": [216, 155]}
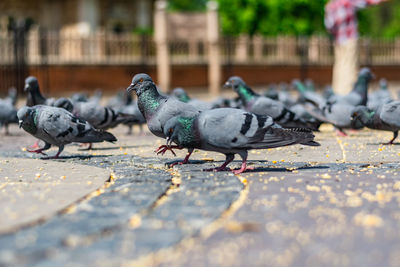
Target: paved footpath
{"type": "Point", "coordinates": [334, 205]}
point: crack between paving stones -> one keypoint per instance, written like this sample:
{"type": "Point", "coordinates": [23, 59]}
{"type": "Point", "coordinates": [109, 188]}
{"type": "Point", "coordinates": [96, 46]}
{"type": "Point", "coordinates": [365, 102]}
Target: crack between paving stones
{"type": "Point", "coordinates": [340, 143]}
{"type": "Point", "coordinates": [171, 254]}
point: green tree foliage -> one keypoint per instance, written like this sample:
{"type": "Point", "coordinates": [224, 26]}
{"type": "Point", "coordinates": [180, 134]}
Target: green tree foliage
{"type": "Point", "coordinates": [292, 17]}
{"type": "Point", "coordinates": [272, 17]}
{"type": "Point", "coordinates": [187, 5]}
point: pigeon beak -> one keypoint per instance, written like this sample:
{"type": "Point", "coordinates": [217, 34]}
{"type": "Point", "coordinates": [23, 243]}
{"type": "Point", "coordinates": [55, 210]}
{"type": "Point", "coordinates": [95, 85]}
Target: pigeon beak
{"type": "Point", "coordinates": [27, 87]}
{"type": "Point", "coordinates": [169, 141]}
{"type": "Point", "coordinates": [20, 123]}
{"type": "Point", "coordinates": [227, 85]}
{"type": "Point", "coordinates": [130, 88]}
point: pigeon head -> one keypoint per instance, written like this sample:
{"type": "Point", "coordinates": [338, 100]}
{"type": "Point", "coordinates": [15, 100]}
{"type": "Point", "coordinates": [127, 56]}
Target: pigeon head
{"type": "Point", "coordinates": [137, 81]}
{"type": "Point", "coordinates": [234, 82]}
{"type": "Point", "coordinates": [180, 131]}
{"type": "Point", "coordinates": [383, 84]}
{"type": "Point", "coordinates": [361, 114]}
{"type": "Point", "coordinates": [171, 130]}
{"type": "Point", "coordinates": [31, 84]}
{"type": "Point", "coordinates": [180, 94]}
{"type": "Point", "coordinates": [26, 119]}
{"type": "Point", "coordinates": [366, 73]}
{"type": "Point", "coordinates": [64, 103]}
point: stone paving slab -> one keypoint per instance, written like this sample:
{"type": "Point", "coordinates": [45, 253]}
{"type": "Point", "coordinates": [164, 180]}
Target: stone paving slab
{"type": "Point", "coordinates": [305, 206]}
{"type": "Point", "coordinates": [33, 190]}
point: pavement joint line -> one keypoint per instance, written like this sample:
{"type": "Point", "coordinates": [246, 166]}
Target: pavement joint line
{"type": "Point", "coordinates": [340, 143]}
{"type": "Point", "coordinates": [169, 254]}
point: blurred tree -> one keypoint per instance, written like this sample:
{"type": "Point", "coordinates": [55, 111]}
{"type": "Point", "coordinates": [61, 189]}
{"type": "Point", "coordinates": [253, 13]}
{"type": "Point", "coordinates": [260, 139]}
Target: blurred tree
{"type": "Point", "coordinates": [292, 17]}
{"type": "Point", "coordinates": [272, 17]}
{"type": "Point", "coordinates": [187, 5]}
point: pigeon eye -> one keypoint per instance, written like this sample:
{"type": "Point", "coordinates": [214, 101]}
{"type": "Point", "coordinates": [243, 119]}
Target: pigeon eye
{"type": "Point", "coordinates": [171, 130]}
{"type": "Point", "coordinates": [141, 80]}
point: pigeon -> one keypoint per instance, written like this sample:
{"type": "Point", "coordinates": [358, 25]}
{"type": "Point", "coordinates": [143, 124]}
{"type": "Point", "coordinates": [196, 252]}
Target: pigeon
{"type": "Point", "coordinates": [34, 95]}
{"type": "Point", "coordinates": [12, 96]}
{"type": "Point", "coordinates": [262, 105]}
{"type": "Point", "coordinates": [79, 97]}
{"type": "Point", "coordinates": [379, 97]}
{"type": "Point", "coordinates": [307, 95]}
{"type": "Point", "coordinates": [124, 103]}
{"type": "Point", "coordinates": [180, 94]}
{"type": "Point", "coordinates": [385, 118]}
{"type": "Point", "coordinates": [99, 117]}
{"type": "Point", "coordinates": [158, 109]}
{"type": "Point", "coordinates": [359, 94]}
{"type": "Point", "coordinates": [56, 126]}
{"type": "Point", "coordinates": [8, 114]}
{"type": "Point", "coordinates": [232, 131]}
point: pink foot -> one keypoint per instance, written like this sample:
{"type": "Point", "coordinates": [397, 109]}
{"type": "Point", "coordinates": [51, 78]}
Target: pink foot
{"type": "Point", "coordinates": [243, 168]}
{"type": "Point", "coordinates": [35, 145]}
{"type": "Point", "coordinates": [38, 151]}
{"type": "Point", "coordinates": [164, 148]}
{"type": "Point", "coordinates": [341, 133]}
{"type": "Point", "coordinates": [218, 169]}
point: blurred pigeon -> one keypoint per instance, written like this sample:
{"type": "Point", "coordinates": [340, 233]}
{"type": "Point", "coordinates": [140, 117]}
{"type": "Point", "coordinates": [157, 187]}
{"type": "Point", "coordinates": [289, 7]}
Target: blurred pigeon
{"type": "Point", "coordinates": [380, 96]}
{"type": "Point", "coordinates": [359, 94]}
{"type": "Point", "coordinates": [232, 131]}
{"type": "Point", "coordinates": [8, 114]}
{"type": "Point", "coordinates": [34, 95]}
{"type": "Point", "coordinates": [56, 126]}
{"type": "Point", "coordinates": [96, 97]}
{"type": "Point", "coordinates": [12, 96]}
{"type": "Point", "coordinates": [262, 105]}
{"type": "Point", "coordinates": [338, 114]}
{"type": "Point", "coordinates": [158, 109]}
{"type": "Point", "coordinates": [385, 118]}
{"type": "Point", "coordinates": [79, 97]}
{"type": "Point", "coordinates": [307, 95]}
{"type": "Point", "coordinates": [99, 117]}
{"type": "Point", "coordinates": [180, 94]}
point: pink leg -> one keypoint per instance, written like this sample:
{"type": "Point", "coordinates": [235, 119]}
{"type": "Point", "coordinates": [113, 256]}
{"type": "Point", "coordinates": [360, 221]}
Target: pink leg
{"type": "Point", "coordinates": [223, 167]}
{"type": "Point", "coordinates": [35, 145]}
{"type": "Point", "coordinates": [185, 160]}
{"type": "Point", "coordinates": [340, 133]}
{"type": "Point", "coordinates": [38, 151]}
{"type": "Point", "coordinates": [242, 169]}
{"type": "Point", "coordinates": [244, 164]}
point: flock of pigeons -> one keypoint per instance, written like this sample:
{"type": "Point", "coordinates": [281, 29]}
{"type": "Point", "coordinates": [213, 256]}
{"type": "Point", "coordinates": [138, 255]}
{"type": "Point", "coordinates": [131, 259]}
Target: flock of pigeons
{"type": "Point", "coordinates": [229, 126]}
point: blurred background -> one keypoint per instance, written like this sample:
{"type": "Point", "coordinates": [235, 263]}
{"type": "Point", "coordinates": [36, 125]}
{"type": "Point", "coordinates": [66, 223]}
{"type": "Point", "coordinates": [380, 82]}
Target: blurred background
{"type": "Point", "coordinates": [73, 45]}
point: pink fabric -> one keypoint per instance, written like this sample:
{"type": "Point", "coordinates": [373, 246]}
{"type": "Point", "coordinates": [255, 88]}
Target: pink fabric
{"type": "Point", "coordinates": [341, 19]}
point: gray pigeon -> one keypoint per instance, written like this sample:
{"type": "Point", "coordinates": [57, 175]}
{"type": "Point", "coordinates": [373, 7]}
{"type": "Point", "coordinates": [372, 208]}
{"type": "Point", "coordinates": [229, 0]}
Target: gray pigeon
{"type": "Point", "coordinates": [232, 131]}
{"type": "Point", "coordinates": [181, 95]}
{"type": "Point", "coordinates": [123, 103]}
{"type": "Point", "coordinates": [359, 94]}
{"type": "Point", "coordinates": [385, 118]}
{"type": "Point", "coordinates": [379, 97]}
{"type": "Point", "coordinates": [338, 114]}
{"type": "Point", "coordinates": [35, 97]}
{"type": "Point", "coordinates": [158, 109]}
{"type": "Point", "coordinates": [8, 114]}
{"type": "Point", "coordinates": [56, 126]}
{"type": "Point", "coordinates": [262, 105]}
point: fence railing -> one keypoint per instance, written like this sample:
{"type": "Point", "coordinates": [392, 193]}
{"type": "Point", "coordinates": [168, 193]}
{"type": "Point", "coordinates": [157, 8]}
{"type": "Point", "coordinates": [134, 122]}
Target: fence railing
{"type": "Point", "coordinates": [50, 47]}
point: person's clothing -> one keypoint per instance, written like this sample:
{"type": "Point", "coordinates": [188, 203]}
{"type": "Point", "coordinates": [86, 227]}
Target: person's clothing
{"type": "Point", "coordinates": [341, 19]}
{"type": "Point", "coordinates": [345, 67]}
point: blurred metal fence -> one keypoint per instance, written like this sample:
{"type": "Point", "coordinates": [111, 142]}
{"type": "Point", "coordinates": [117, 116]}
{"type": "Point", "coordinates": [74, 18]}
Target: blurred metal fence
{"type": "Point", "coordinates": [39, 47]}
{"type": "Point", "coordinates": [56, 47]}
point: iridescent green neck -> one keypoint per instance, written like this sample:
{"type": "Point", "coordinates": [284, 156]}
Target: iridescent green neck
{"type": "Point", "coordinates": [30, 127]}
{"type": "Point", "coordinates": [186, 134]}
{"type": "Point", "coordinates": [245, 93]}
{"type": "Point", "coordinates": [184, 98]}
{"type": "Point", "coordinates": [149, 101]}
